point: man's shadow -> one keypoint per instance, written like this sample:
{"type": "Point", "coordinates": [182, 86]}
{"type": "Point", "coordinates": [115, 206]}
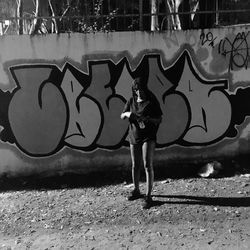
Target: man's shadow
{"type": "Point", "coordinates": [202, 200]}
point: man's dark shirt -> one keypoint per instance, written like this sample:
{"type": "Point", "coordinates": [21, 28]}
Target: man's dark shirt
{"type": "Point", "coordinates": [141, 110]}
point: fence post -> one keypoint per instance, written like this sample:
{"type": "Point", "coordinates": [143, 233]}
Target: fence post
{"type": "Point", "coordinates": [217, 13]}
{"type": "Point", "coordinates": [140, 15]}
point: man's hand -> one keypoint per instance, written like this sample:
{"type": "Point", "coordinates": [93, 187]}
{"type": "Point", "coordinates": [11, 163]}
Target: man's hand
{"type": "Point", "coordinates": [125, 115]}
{"type": "Point", "coordinates": [156, 121]}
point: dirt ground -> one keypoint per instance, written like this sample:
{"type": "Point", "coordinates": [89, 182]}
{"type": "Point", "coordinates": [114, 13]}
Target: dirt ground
{"type": "Point", "coordinates": [75, 212]}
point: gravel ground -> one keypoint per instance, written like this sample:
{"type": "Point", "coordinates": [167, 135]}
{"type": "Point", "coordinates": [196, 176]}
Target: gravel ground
{"type": "Point", "coordinates": [71, 212]}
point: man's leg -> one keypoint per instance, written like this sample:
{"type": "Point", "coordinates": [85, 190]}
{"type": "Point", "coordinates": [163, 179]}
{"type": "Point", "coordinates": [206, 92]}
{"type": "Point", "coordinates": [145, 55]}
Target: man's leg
{"type": "Point", "coordinates": [136, 157]}
{"type": "Point", "coordinates": [148, 155]}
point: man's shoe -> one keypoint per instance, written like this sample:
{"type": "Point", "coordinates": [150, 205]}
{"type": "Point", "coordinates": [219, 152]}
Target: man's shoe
{"type": "Point", "coordinates": [135, 194]}
{"type": "Point", "coordinates": [148, 203]}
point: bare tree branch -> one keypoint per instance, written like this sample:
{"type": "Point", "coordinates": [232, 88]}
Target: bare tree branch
{"type": "Point", "coordinates": [19, 16]}
{"type": "Point", "coordinates": [55, 26]}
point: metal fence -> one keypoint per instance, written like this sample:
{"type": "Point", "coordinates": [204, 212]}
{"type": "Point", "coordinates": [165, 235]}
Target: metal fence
{"type": "Point", "coordinates": [127, 15]}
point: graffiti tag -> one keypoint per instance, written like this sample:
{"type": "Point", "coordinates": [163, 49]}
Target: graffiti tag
{"type": "Point", "coordinates": [208, 38]}
{"type": "Point", "coordinates": [235, 50]}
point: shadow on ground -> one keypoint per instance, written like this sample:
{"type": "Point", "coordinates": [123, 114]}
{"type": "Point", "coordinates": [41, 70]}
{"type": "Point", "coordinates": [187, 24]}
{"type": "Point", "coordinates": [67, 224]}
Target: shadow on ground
{"type": "Point", "coordinates": [202, 200]}
{"type": "Point", "coordinates": [97, 179]}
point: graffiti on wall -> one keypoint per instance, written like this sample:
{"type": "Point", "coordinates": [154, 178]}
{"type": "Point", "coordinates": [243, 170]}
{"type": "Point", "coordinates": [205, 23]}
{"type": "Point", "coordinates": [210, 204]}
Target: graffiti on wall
{"type": "Point", "coordinates": [51, 108]}
{"type": "Point", "coordinates": [230, 53]}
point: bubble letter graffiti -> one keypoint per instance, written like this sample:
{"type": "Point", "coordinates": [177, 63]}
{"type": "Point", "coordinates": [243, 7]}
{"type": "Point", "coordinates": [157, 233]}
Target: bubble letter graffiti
{"type": "Point", "coordinates": [173, 105]}
{"type": "Point", "coordinates": [102, 90]}
{"type": "Point", "coordinates": [37, 111]}
{"type": "Point", "coordinates": [210, 106]}
{"type": "Point", "coordinates": [84, 114]}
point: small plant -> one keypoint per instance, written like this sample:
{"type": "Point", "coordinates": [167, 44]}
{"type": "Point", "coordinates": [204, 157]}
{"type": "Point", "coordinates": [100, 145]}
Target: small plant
{"type": "Point", "coordinates": [99, 22]}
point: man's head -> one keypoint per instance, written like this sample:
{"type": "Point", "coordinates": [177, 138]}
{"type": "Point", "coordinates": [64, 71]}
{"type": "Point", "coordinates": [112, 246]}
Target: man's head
{"type": "Point", "coordinates": [139, 89]}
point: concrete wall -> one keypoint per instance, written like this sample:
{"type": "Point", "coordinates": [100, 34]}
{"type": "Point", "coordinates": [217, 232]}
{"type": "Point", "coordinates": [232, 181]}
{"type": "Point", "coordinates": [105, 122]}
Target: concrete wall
{"type": "Point", "coordinates": [61, 97]}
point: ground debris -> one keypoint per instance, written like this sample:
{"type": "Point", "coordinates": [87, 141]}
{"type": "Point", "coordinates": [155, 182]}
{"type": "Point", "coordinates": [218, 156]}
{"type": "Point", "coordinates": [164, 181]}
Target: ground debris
{"type": "Point", "coordinates": [211, 169]}
{"type": "Point", "coordinates": [245, 175]}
